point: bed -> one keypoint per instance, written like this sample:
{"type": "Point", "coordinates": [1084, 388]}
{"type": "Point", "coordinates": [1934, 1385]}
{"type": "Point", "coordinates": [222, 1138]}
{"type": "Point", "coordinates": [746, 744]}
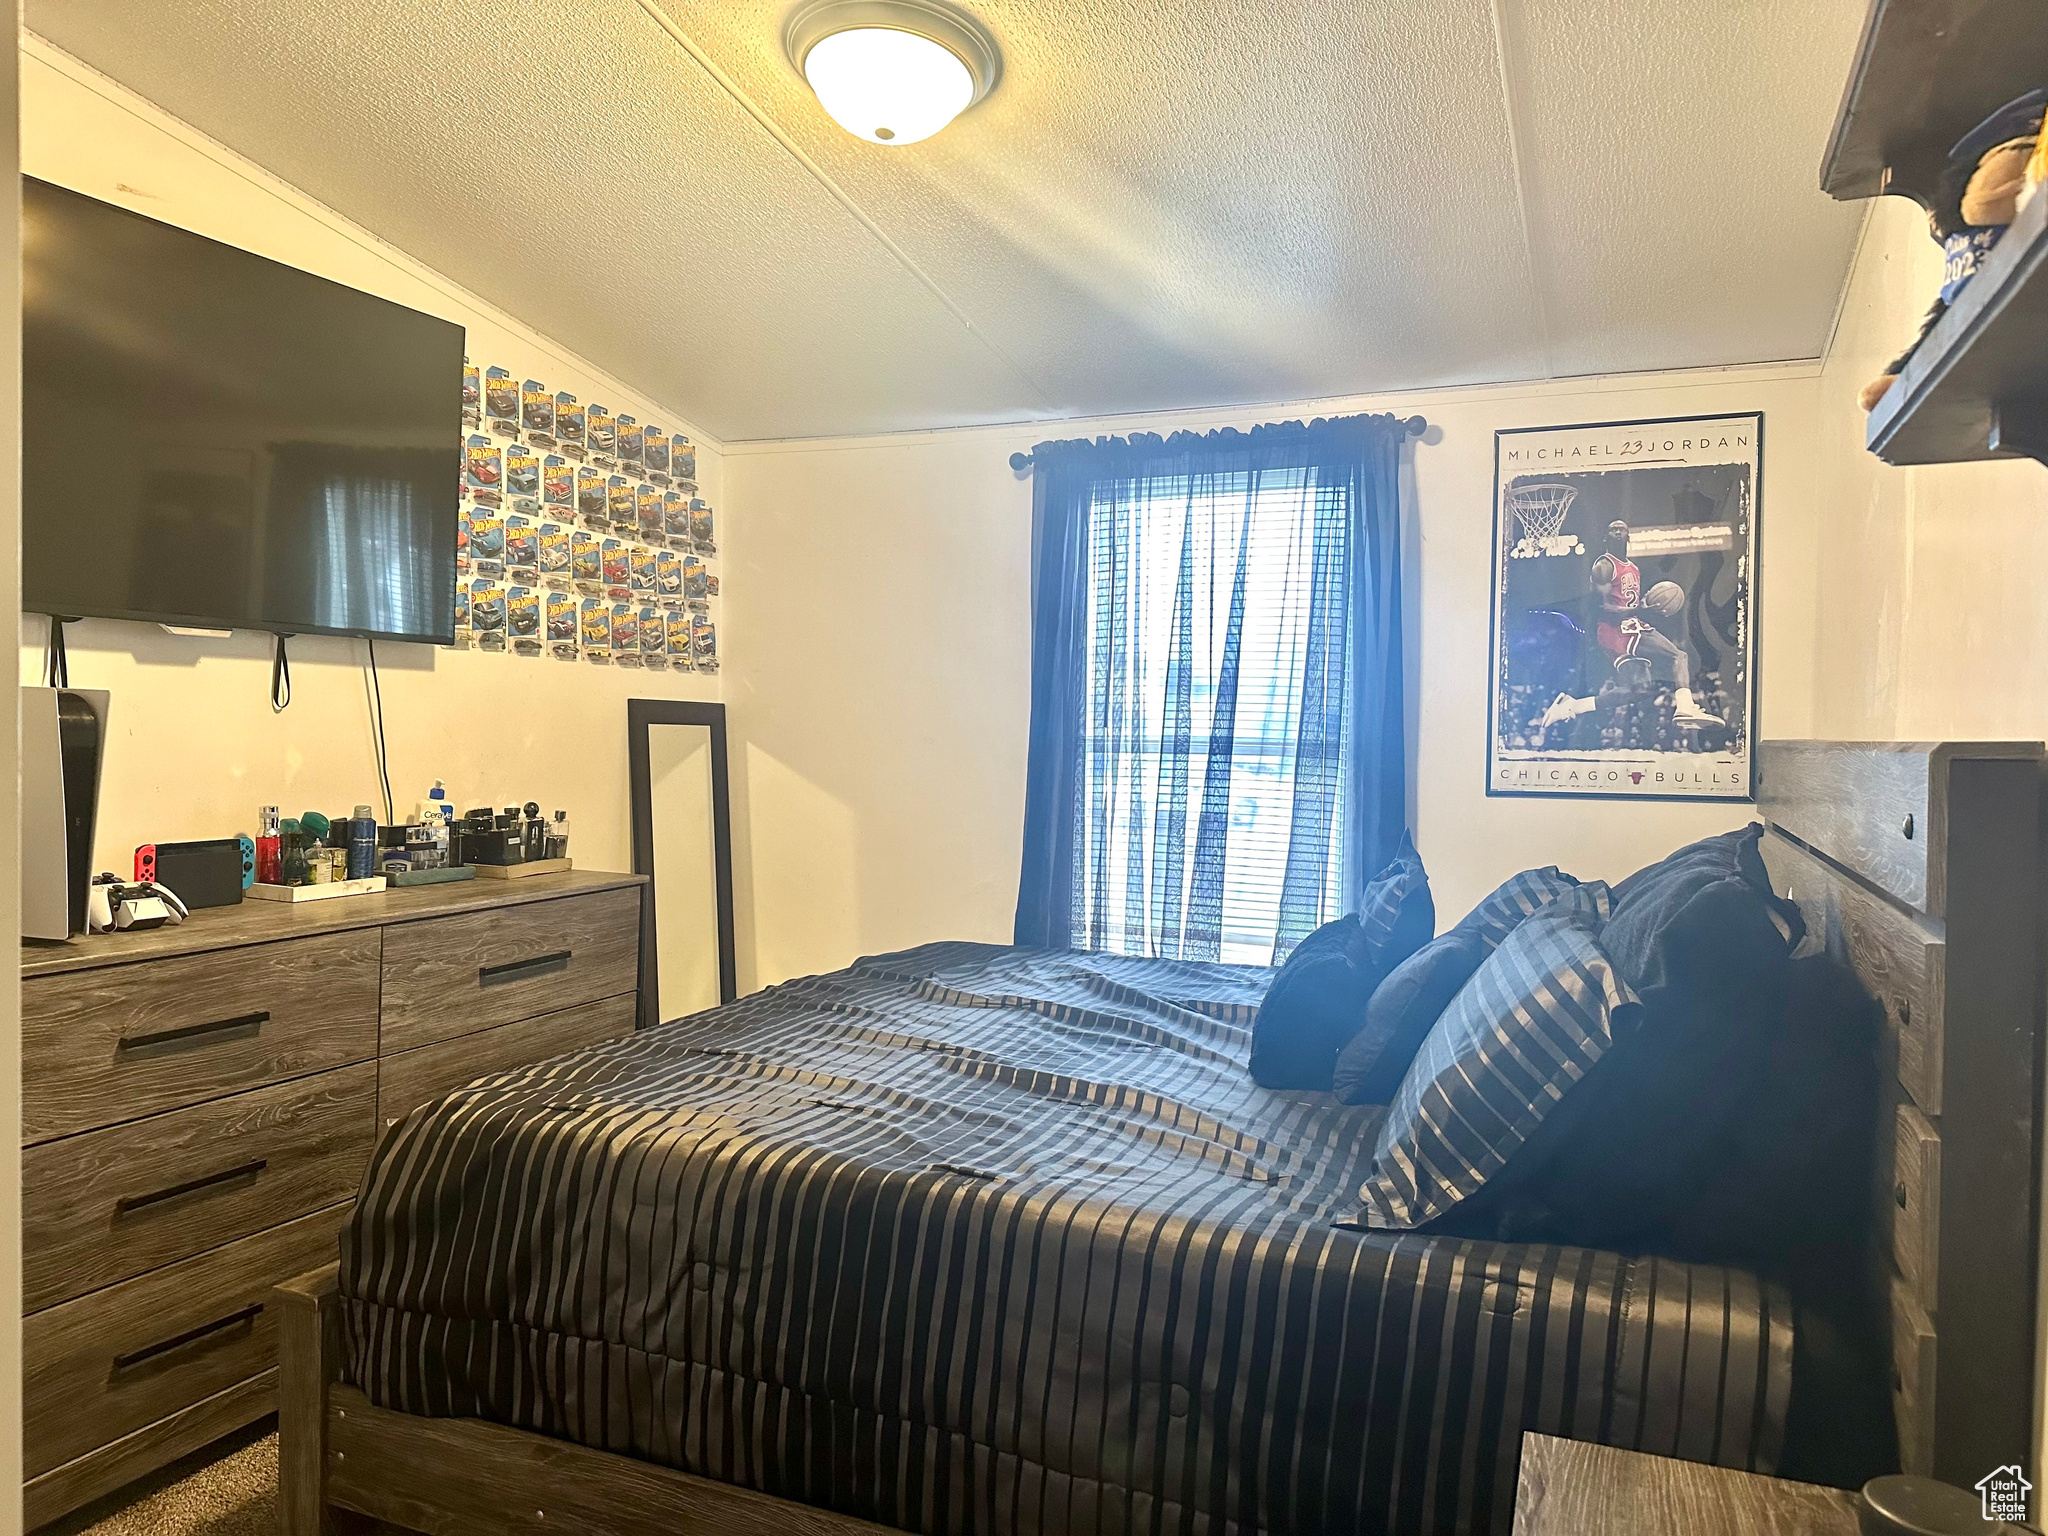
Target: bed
{"type": "Point", "coordinates": [970, 1239]}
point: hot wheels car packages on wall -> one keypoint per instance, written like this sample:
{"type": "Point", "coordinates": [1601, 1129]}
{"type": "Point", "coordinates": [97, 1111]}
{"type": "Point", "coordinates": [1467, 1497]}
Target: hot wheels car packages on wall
{"type": "Point", "coordinates": [484, 471]}
{"type": "Point", "coordinates": [564, 621]}
{"type": "Point", "coordinates": [537, 413]}
{"type": "Point", "coordinates": [522, 471]}
{"type": "Point", "coordinates": [569, 425]}
{"type": "Point", "coordinates": [501, 402]}
{"type": "Point", "coordinates": [602, 434]}
{"type": "Point", "coordinates": [605, 559]}
{"type": "Point", "coordinates": [522, 619]}
{"type": "Point", "coordinates": [595, 626]}
{"type": "Point", "coordinates": [487, 614]}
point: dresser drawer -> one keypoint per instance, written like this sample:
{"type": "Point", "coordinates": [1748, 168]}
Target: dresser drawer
{"type": "Point", "coordinates": [413, 1078]}
{"type": "Point", "coordinates": [112, 1204]}
{"type": "Point", "coordinates": [107, 1364]}
{"type": "Point", "coordinates": [102, 1046]}
{"type": "Point", "coordinates": [1916, 1205]}
{"type": "Point", "coordinates": [450, 976]}
{"type": "Point", "coordinates": [1913, 1366]}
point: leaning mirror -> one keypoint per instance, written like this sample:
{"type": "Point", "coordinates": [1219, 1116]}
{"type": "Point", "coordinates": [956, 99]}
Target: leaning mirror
{"type": "Point", "coordinates": [682, 840]}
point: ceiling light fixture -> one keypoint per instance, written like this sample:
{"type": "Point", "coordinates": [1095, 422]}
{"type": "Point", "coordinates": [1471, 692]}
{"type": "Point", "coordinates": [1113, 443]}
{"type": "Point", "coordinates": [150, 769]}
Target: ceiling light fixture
{"type": "Point", "coordinates": [892, 71]}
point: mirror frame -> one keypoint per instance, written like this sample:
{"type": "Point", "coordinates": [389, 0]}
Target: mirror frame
{"type": "Point", "coordinates": [640, 714]}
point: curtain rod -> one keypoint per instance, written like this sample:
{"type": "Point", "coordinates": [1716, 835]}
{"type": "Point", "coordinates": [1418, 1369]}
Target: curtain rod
{"type": "Point", "coordinates": [1415, 426]}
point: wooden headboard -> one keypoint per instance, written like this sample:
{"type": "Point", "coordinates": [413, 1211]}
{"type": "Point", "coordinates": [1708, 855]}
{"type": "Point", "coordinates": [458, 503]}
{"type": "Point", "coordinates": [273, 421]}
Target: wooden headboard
{"type": "Point", "coordinates": [1920, 866]}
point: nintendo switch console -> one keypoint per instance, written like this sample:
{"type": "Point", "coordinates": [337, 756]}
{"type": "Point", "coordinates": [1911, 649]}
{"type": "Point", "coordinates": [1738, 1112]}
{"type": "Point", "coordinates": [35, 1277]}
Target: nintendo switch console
{"type": "Point", "coordinates": [211, 873]}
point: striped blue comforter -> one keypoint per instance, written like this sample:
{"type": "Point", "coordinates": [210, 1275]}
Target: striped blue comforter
{"type": "Point", "coordinates": [982, 1240]}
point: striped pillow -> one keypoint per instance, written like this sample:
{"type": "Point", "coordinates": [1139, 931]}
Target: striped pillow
{"type": "Point", "coordinates": [1522, 896]}
{"type": "Point", "coordinates": [1397, 911]}
{"type": "Point", "coordinates": [1528, 1027]}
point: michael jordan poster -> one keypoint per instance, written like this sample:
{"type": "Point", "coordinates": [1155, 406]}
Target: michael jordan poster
{"type": "Point", "coordinates": [1624, 609]}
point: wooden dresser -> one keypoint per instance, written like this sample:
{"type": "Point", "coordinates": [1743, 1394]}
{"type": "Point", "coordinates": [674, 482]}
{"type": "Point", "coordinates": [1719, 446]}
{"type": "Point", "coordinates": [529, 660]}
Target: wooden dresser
{"type": "Point", "coordinates": [198, 1105]}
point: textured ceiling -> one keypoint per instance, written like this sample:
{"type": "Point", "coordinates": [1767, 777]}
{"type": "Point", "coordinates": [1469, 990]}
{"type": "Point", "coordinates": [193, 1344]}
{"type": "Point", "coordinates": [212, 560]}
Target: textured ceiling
{"type": "Point", "coordinates": [1159, 206]}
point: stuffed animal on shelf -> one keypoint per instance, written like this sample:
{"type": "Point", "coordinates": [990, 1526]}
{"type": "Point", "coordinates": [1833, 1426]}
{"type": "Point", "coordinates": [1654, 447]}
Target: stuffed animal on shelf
{"type": "Point", "coordinates": [1978, 195]}
{"type": "Point", "coordinates": [2037, 170]}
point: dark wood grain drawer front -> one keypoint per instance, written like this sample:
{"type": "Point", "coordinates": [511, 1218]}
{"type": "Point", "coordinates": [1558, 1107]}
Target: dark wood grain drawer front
{"type": "Point", "coordinates": [455, 975]}
{"type": "Point", "coordinates": [104, 1046]}
{"type": "Point", "coordinates": [112, 1204]}
{"type": "Point", "coordinates": [107, 1364]}
{"type": "Point", "coordinates": [1916, 1205]}
{"type": "Point", "coordinates": [413, 1078]}
{"type": "Point", "coordinates": [1913, 1367]}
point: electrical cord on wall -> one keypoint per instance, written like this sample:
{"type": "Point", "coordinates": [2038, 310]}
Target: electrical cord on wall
{"type": "Point", "coordinates": [280, 678]}
{"type": "Point", "coordinates": [56, 664]}
{"type": "Point", "coordinates": [377, 717]}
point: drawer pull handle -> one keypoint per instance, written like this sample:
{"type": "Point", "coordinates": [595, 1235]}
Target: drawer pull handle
{"type": "Point", "coordinates": [149, 1352]}
{"type": "Point", "coordinates": [250, 1021]}
{"type": "Point", "coordinates": [520, 970]}
{"type": "Point", "coordinates": [247, 1170]}
{"type": "Point", "coordinates": [1899, 1194]}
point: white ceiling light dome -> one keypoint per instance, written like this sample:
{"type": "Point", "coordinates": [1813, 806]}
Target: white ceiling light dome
{"type": "Point", "coordinates": [892, 71]}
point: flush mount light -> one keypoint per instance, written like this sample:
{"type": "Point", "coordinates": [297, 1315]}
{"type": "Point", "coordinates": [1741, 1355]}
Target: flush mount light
{"type": "Point", "coordinates": [892, 71]}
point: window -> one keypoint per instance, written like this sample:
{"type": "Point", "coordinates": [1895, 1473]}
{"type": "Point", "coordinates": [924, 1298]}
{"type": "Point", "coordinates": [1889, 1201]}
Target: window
{"type": "Point", "coordinates": [1210, 822]}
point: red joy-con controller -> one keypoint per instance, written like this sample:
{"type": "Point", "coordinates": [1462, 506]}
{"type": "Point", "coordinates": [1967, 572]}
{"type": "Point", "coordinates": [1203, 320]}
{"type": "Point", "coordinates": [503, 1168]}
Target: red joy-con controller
{"type": "Point", "coordinates": [145, 863]}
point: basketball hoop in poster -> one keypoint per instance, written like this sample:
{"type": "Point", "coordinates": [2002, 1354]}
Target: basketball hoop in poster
{"type": "Point", "coordinates": [1623, 649]}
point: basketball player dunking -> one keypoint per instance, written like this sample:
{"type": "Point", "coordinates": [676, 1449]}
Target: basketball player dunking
{"type": "Point", "coordinates": [1641, 651]}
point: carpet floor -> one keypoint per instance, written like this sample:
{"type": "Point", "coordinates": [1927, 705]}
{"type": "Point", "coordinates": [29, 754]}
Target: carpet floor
{"type": "Point", "coordinates": [227, 1489]}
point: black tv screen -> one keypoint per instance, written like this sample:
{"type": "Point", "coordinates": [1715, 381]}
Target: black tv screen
{"type": "Point", "coordinates": [214, 439]}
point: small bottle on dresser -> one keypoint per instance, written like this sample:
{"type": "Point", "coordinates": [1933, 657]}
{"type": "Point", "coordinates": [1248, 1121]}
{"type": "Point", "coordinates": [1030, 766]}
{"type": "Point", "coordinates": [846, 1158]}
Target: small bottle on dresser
{"type": "Point", "coordinates": [268, 851]}
{"type": "Point", "coordinates": [292, 865]}
{"type": "Point", "coordinates": [362, 844]}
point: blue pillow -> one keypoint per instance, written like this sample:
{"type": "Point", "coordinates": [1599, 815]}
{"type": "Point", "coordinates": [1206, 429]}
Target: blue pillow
{"type": "Point", "coordinates": [1400, 1014]}
{"type": "Point", "coordinates": [1706, 947]}
{"type": "Point", "coordinates": [1397, 911]}
{"type": "Point", "coordinates": [1317, 1001]}
{"type": "Point", "coordinates": [1703, 924]}
{"type": "Point", "coordinates": [1519, 897]}
{"type": "Point", "coordinates": [1406, 1004]}
{"type": "Point", "coordinates": [1528, 1027]}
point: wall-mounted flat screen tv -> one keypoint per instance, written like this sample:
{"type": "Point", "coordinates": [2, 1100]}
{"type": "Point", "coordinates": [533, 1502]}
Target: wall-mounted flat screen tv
{"type": "Point", "coordinates": [213, 439]}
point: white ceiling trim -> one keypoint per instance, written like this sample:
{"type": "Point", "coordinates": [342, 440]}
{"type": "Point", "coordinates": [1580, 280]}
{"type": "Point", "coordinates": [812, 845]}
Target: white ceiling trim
{"type": "Point", "coordinates": [840, 195]}
{"type": "Point", "coordinates": [1203, 418]}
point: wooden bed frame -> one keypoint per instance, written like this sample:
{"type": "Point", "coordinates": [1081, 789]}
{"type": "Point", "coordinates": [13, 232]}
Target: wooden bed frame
{"type": "Point", "coordinates": [1918, 865]}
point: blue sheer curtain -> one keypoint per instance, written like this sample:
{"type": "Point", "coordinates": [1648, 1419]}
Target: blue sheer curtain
{"type": "Point", "coordinates": [1216, 756]}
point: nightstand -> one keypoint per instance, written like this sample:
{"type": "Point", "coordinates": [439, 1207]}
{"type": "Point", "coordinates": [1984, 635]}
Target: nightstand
{"type": "Point", "coordinates": [1569, 1488]}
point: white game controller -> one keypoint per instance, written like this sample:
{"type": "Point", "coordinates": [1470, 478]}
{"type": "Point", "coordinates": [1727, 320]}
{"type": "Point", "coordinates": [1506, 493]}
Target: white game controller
{"type": "Point", "coordinates": [112, 906]}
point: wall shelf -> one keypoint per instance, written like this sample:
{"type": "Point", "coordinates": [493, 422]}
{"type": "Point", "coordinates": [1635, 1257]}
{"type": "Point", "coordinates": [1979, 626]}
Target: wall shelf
{"type": "Point", "coordinates": [1977, 387]}
{"type": "Point", "coordinates": [1926, 73]}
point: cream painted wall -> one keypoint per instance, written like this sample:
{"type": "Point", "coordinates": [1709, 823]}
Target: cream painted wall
{"type": "Point", "coordinates": [1932, 619]}
{"type": "Point", "coordinates": [881, 702]}
{"type": "Point", "coordinates": [195, 748]}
